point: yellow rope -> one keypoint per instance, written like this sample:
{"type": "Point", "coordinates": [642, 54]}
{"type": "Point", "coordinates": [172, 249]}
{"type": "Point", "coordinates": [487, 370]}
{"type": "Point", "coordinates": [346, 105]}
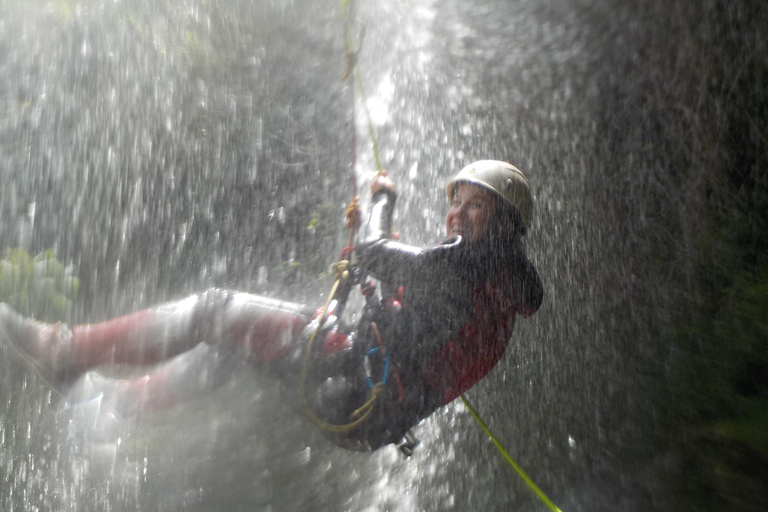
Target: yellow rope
{"type": "Point", "coordinates": [520, 471]}
{"type": "Point", "coordinates": [353, 223]}
{"type": "Point", "coordinates": [353, 70]}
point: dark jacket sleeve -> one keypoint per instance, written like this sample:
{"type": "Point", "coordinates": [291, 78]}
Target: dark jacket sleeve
{"type": "Point", "coordinates": [394, 262]}
{"type": "Point", "coordinates": [391, 261]}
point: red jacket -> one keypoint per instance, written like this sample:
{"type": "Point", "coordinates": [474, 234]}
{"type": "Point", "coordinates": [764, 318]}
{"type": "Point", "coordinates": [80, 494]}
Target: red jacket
{"type": "Point", "coordinates": [460, 363]}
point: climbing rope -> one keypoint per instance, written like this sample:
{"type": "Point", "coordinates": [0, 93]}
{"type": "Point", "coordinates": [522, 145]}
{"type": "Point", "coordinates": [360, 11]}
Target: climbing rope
{"type": "Point", "coordinates": [517, 468]}
{"type": "Point", "coordinates": [352, 73]}
{"type": "Point", "coordinates": [344, 267]}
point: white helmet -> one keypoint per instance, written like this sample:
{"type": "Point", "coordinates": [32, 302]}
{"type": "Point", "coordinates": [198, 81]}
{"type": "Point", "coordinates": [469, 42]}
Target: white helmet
{"type": "Point", "coordinates": [504, 179]}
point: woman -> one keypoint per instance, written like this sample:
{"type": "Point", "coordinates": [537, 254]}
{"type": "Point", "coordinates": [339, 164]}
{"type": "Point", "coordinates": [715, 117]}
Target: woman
{"type": "Point", "coordinates": [441, 323]}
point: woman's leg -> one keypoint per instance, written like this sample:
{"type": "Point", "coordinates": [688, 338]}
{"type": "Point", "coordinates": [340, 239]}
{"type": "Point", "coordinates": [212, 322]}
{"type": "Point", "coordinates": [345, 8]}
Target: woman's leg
{"type": "Point", "coordinates": [259, 327]}
{"type": "Point", "coordinates": [182, 378]}
{"type": "Point", "coordinates": [264, 329]}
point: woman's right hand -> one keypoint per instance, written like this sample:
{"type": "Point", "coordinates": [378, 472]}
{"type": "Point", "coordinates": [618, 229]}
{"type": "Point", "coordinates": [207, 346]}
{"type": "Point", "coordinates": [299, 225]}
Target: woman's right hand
{"type": "Point", "coordinates": [382, 182]}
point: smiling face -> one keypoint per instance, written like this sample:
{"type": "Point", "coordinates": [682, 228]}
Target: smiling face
{"type": "Point", "coordinates": [471, 212]}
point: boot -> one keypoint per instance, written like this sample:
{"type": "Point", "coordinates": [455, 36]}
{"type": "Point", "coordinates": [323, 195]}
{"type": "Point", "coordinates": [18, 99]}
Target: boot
{"type": "Point", "coordinates": [48, 347]}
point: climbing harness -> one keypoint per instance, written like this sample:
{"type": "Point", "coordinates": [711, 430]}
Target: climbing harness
{"type": "Point", "coordinates": [339, 293]}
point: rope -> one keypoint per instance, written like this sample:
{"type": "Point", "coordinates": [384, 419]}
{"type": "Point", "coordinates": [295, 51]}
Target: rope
{"type": "Point", "coordinates": [351, 60]}
{"type": "Point", "coordinates": [353, 222]}
{"type": "Point", "coordinates": [520, 471]}
{"type": "Point", "coordinates": [352, 73]}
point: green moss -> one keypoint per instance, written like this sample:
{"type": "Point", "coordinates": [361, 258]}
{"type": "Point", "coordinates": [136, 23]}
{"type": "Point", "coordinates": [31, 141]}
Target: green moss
{"type": "Point", "coordinates": [64, 9]}
{"type": "Point", "coordinates": [38, 286]}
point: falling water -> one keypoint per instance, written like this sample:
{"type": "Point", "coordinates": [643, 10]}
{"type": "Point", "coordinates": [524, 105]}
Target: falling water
{"type": "Point", "coordinates": [166, 147]}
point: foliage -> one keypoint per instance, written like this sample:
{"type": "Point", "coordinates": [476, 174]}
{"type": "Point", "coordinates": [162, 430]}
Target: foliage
{"type": "Point", "coordinates": [38, 286]}
{"type": "Point", "coordinates": [64, 9]}
{"type": "Point", "coordinates": [726, 349]}
{"type": "Point", "coordinates": [721, 340]}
